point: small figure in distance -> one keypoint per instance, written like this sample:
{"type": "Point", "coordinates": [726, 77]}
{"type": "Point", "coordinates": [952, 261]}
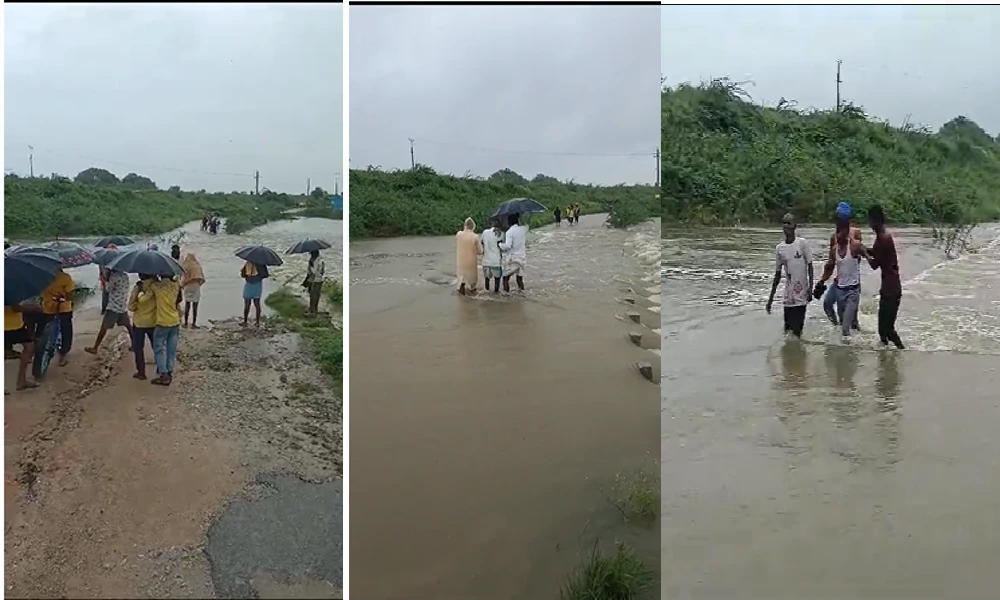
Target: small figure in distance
{"type": "Point", "coordinates": [793, 257]}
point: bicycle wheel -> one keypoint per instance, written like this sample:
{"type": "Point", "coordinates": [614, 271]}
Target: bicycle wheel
{"type": "Point", "coordinates": [45, 349]}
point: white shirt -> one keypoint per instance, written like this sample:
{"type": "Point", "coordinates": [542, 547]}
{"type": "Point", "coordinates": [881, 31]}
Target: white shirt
{"type": "Point", "coordinates": [848, 268]}
{"type": "Point", "coordinates": [317, 271]}
{"type": "Point", "coordinates": [491, 251]}
{"type": "Point", "coordinates": [795, 259]}
{"type": "Point", "coordinates": [513, 245]}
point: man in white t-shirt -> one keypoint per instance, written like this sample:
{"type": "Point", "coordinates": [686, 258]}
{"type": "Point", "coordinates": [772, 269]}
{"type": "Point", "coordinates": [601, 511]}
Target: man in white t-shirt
{"type": "Point", "coordinates": [490, 240]}
{"type": "Point", "coordinates": [792, 256]}
{"type": "Point", "coordinates": [516, 254]}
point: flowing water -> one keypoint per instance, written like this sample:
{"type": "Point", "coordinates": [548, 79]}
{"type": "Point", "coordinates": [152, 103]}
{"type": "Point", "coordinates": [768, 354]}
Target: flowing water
{"type": "Point", "coordinates": [819, 469]}
{"type": "Point", "coordinates": [486, 431]}
{"type": "Point", "coordinates": [222, 294]}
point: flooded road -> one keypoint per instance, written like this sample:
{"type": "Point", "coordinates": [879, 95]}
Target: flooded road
{"type": "Point", "coordinates": [820, 470]}
{"type": "Point", "coordinates": [486, 431]}
{"type": "Point", "coordinates": [222, 295]}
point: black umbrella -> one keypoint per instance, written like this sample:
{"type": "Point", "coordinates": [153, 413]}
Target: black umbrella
{"type": "Point", "coordinates": [519, 206]}
{"type": "Point", "coordinates": [27, 270]}
{"type": "Point", "coordinates": [114, 240]}
{"type": "Point", "coordinates": [307, 245]}
{"type": "Point", "coordinates": [71, 254]}
{"type": "Point", "coordinates": [259, 255]}
{"type": "Point", "coordinates": [103, 256]}
{"type": "Point", "coordinates": [146, 262]}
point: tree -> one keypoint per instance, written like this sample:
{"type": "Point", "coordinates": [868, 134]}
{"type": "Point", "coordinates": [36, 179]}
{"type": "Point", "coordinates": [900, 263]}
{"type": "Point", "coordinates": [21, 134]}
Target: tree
{"type": "Point", "coordinates": [95, 175]}
{"type": "Point", "coordinates": [508, 176]}
{"type": "Point", "coordinates": [319, 193]}
{"type": "Point", "coordinates": [543, 178]}
{"type": "Point", "coordinates": [134, 181]}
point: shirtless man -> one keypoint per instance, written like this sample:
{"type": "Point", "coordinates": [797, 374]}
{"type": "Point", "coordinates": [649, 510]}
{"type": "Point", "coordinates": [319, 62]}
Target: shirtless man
{"type": "Point", "coordinates": [846, 256]}
{"type": "Point", "coordinates": [831, 298]}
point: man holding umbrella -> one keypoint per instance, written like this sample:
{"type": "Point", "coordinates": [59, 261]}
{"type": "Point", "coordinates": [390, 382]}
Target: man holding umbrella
{"type": "Point", "coordinates": [27, 271]}
{"type": "Point", "coordinates": [516, 254]}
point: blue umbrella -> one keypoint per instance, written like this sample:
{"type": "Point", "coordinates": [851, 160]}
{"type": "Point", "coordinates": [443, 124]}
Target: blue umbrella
{"type": "Point", "coordinates": [146, 262]}
{"type": "Point", "coordinates": [259, 255]}
{"type": "Point", "coordinates": [519, 206]}
{"type": "Point", "coordinates": [307, 245]}
{"type": "Point", "coordinates": [27, 270]}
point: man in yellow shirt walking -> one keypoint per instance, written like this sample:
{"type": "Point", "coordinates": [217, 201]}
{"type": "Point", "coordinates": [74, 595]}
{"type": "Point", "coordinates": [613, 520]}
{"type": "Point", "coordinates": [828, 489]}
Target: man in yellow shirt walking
{"type": "Point", "coordinates": [143, 322]}
{"type": "Point", "coordinates": [57, 303]}
{"type": "Point", "coordinates": [166, 294]}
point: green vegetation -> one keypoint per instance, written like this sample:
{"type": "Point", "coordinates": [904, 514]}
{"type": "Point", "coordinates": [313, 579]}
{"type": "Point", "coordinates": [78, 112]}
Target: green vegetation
{"type": "Point", "coordinates": [727, 160]}
{"type": "Point", "coordinates": [326, 341]}
{"type": "Point", "coordinates": [620, 576]}
{"type": "Point", "coordinates": [98, 203]}
{"type": "Point", "coordinates": [422, 202]}
{"type": "Point", "coordinates": [636, 494]}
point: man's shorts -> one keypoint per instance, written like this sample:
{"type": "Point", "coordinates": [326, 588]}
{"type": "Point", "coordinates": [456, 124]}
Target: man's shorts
{"type": "Point", "coordinates": [112, 318]}
{"type": "Point", "coordinates": [492, 272]}
{"type": "Point", "coordinates": [795, 319]}
{"type": "Point", "coordinates": [17, 336]}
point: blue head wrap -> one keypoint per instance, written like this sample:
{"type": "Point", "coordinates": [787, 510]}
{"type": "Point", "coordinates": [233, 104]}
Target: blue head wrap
{"type": "Point", "coordinates": [844, 210]}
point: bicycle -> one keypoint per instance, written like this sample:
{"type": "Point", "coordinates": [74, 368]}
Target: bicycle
{"type": "Point", "coordinates": [47, 344]}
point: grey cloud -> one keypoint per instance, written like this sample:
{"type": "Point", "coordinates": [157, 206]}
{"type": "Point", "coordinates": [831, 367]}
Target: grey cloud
{"type": "Point", "coordinates": [472, 83]}
{"type": "Point", "coordinates": [931, 63]}
{"type": "Point", "coordinates": [192, 95]}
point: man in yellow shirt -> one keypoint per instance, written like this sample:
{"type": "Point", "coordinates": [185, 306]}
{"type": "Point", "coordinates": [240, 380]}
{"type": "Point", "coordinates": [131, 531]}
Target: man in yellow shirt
{"type": "Point", "coordinates": [14, 332]}
{"type": "Point", "coordinates": [165, 293]}
{"type": "Point", "coordinates": [143, 322]}
{"type": "Point", "coordinates": [57, 303]}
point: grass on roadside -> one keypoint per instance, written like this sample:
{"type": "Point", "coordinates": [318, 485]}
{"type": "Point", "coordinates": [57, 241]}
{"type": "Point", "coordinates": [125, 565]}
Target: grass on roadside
{"type": "Point", "coordinates": [325, 340]}
{"type": "Point", "coordinates": [619, 576]}
{"type": "Point", "coordinates": [334, 292]}
{"type": "Point", "coordinates": [636, 494]}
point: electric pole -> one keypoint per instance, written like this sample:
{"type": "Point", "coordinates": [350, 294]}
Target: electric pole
{"type": "Point", "coordinates": [256, 183]}
{"type": "Point", "coordinates": [657, 155]}
{"type": "Point", "coordinates": [308, 186]}
{"type": "Point", "coordinates": [31, 161]}
{"type": "Point", "coordinates": [413, 162]}
{"type": "Point", "coordinates": [838, 84]}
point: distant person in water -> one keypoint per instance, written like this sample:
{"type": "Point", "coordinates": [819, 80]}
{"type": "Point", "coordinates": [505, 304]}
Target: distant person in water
{"type": "Point", "coordinates": [557, 213]}
{"type": "Point", "coordinates": [883, 256]}
{"type": "Point", "coordinates": [191, 282]}
{"type": "Point", "coordinates": [492, 258]}
{"type": "Point", "coordinates": [254, 276]}
{"type": "Point", "coordinates": [792, 257]}
{"type": "Point", "coordinates": [515, 252]}
{"type": "Point", "coordinates": [467, 251]}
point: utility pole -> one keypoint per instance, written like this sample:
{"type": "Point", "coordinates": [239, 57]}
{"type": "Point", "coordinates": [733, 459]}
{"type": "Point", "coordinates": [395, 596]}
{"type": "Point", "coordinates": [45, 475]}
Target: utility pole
{"type": "Point", "coordinates": [256, 183]}
{"type": "Point", "coordinates": [838, 84]}
{"type": "Point", "coordinates": [657, 155]}
{"type": "Point", "coordinates": [308, 186]}
{"type": "Point", "coordinates": [413, 162]}
{"type": "Point", "coordinates": [31, 161]}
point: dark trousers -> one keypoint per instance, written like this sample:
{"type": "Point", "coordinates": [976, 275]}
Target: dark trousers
{"type": "Point", "coordinates": [66, 324]}
{"type": "Point", "coordinates": [888, 310]}
{"type": "Point", "coordinates": [139, 336]}
{"type": "Point", "coordinates": [104, 301]}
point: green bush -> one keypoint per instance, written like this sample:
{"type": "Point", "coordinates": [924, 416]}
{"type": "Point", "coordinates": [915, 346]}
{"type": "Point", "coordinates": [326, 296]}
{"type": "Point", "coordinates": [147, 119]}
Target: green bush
{"type": "Point", "coordinates": [57, 207]}
{"type": "Point", "coordinates": [326, 341]}
{"type": "Point", "coordinates": [727, 160]}
{"type": "Point", "coordinates": [422, 202]}
{"type": "Point", "coordinates": [621, 576]}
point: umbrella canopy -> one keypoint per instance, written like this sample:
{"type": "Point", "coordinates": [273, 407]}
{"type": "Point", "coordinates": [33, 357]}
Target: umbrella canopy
{"type": "Point", "coordinates": [103, 256]}
{"type": "Point", "coordinates": [71, 254]}
{"type": "Point", "coordinates": [27, 270]}
{"type": "Point", "coordinates": [114, 240]}
{"type": "Point", "coordinates": [519, 206]}
{"type": "Point", "coordinates": [259, 255]}
{"type": "Point", "coordinates": [146, 262]}
{"type": "Point", "coordinates": [307, 245]}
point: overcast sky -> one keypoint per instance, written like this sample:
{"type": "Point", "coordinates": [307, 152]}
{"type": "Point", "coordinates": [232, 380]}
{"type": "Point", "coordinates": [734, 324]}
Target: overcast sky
{"type": "Point", "coordinates": [177, 92]}
{"type": "Point", "coordinates": [933, 63]}
{"type": "Point", "coordinates": [481, 79]}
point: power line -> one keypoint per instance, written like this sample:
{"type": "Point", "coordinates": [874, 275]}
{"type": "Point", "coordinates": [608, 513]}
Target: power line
{"type": "Point", "coordinates": [97, 161]}
{"type": "Point", "coordinates": [531, 152]}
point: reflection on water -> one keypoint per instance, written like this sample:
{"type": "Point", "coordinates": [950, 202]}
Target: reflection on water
{"type": "Point", "coordinates": [222, 293]}
{"type": "Point", "coordinates": [772, 444]}
{"type": "Point", "coordinates": [502, 419]}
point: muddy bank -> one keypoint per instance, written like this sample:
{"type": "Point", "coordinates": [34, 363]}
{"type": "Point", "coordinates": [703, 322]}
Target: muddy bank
{"type": "Point", "coordinates": [113, 484]}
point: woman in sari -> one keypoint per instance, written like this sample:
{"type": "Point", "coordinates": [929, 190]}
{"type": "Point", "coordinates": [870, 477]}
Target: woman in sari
{"type": "Point", "coordinates": [191, 282]}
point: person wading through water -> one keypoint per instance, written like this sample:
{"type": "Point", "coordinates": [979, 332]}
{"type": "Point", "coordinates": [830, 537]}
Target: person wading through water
{"type": "Point", "coordinates": [883, 256]}
{"type": "Point", "coordinates": [191, 282]}
{"type": "Point", "coordinates": [490, 242]}
{"type": "Point", "coordinates": [793, 256]}
{"type": "Point", "coordinates": [515, 252]}
{"type": "Point", "coordinates": [846, 257]}
{"type": "Point", "coordinates": [315, 278]}
{"type": "Point", "coordinates": [467, 251]}
{"type": "Point", "coordinates": [830, 298]}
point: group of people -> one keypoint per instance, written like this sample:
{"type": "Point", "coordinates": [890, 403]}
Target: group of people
{"type": "Point", "coordinates": [793, 263]}
{"type": "Point", "coordinates": [572, 214]}
{"type": "Point", "coordinates": [210, 223]}
{"type": "Point", "coordinates": [499, 253]}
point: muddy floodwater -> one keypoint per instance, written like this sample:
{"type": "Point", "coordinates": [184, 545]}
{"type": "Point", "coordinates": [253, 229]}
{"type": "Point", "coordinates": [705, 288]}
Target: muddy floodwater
{"type": "Point", "coordinates": [485, 432]}
{"type": "Point", "coordinates": [817, 469]}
